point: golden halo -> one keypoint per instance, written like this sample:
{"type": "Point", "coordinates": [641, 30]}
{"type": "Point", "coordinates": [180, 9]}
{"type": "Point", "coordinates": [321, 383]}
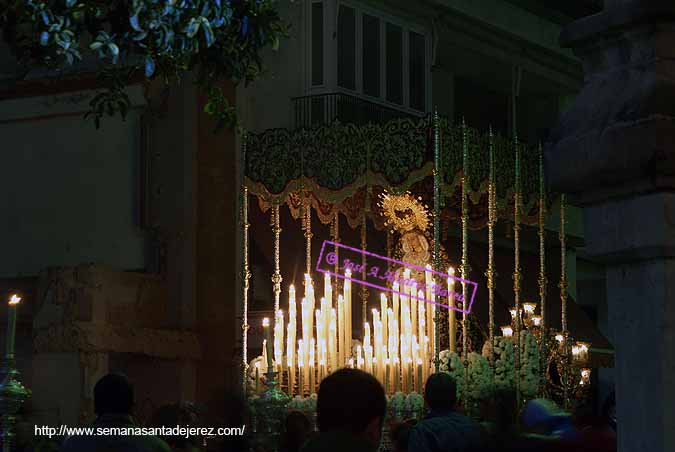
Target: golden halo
{"type": "Point", "coordinates": [404, 213]}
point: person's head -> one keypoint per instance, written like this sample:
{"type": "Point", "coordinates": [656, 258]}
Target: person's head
{"type": "Point", "coordinates": [400, 434]}
{"type": "Point", "coordinates": [171, 416]}
{"type": "Point", "coordinates": [113, 394]}
{"type": "Point", "coordinates": [440, 392]}
{"type": "Point", "coordinates": [354, 401]}
{"type": "Point", "coordinates": [297, 424]}
{"type": "Point", "coordinates": [297, 431]}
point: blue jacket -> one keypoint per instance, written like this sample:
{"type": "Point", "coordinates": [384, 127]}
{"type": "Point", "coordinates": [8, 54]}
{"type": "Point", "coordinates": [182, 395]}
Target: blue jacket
{"type": "Point", "coordinates": [446, 431]}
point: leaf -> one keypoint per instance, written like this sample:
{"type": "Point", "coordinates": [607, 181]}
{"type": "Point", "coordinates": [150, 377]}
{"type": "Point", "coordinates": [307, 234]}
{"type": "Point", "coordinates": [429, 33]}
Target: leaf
{"type": "Point", "coordinates": [244, 26]}
{"type": "Point", "coordinates": [44, 38]}
{"type": "Point", "coordinates": [149, 66]}
{"type": "Point", "coordinates": [208, 33]}
{"type": "Point", "coordinates": [192, 28]}
{"type": "Point", "coordinates": [133, 21]}
{"type": "Point", "coordinates": [275, 43]}
{"type": "Point", "coordinates": [70, 3]}
{"type": "Point", "coordinates": [114, 50]}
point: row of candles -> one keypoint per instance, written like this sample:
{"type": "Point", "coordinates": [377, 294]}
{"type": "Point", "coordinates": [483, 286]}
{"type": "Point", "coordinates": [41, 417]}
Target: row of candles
{"type": "Point", "coordinates": [396, 347]}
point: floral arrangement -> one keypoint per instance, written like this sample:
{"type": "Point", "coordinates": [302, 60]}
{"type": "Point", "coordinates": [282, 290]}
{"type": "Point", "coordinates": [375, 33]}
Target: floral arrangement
{"type": "Point", "coordinates": [414, 404]}
{"type": "Point", "coordinates": [505, 373]}
{"type": "Point", "coordinates": [530, 375]}
{"type": "Point", "coordinates": [452, 364]}
{"type": "Point", "coordinates": [217, 39]}
{"type": "Point", "coordinates": [480, 377]}
{"type": "Point", "coordinates": [397, 402]}
{"type": "Point", "coordinates": [303, 404]}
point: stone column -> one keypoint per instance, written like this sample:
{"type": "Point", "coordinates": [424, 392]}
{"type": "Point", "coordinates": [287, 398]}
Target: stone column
{"type": "Point", "coordinates": [614, 152]}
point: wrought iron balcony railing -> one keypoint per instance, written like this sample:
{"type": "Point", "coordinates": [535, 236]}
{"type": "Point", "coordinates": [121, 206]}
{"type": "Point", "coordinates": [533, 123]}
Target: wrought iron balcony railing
{"type": "Point", "coordinates": [317, 110]}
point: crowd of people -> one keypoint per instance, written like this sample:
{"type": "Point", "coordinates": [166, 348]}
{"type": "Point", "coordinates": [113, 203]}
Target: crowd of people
{"type": "Point", "coordinates": [351, 415]}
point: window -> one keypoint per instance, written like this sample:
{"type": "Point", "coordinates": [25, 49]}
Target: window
{"type": "Point", "coordinates": [317, 43]}
{"type": "Point", "coordinates": [347, 48]}
{"type": "Point", "coordinates": [371, 55]}
{"type": "Point", "coordinates": [394, 67]}
{"type": "Point", "coordinates": [417, 71]}
{"type": "Point", "coordinates": [377, 56]}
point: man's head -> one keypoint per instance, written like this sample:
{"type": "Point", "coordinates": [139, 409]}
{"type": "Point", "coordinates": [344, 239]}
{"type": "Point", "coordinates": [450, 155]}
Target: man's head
{"type": "Point", "coordinates": [440, 392]}
{"type": "Point", "coordinates": [354, 401]}
{"type": "Point", "coordinates": [113, 394]}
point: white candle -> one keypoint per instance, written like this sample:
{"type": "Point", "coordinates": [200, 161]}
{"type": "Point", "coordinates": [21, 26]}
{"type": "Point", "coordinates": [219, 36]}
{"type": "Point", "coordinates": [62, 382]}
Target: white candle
{"type": "Point", "coordinates": [395, 301]}
{"type": "Point", "coordinates": [290, 363]}
{"type": "Point", "coordinates": [342, 356]}
{"type": "Point", "coordinates": [383, 309]}
{"type": "Point", "coordinates": [312, 376]}
{"type": "Point", "coordinates": [332, 340]}
{"type": "Point", "coordinates": [279, 340]}
{"type": "Point", "coordinates": [303, 378]}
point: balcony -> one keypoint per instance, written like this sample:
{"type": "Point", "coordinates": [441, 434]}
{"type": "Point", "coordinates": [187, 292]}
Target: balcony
{"type": "Point", "coordinates": [317, 110]}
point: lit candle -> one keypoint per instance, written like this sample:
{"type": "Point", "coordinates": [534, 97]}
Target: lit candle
{"type": "Point", "coordinates": [12, 307]}
{"type": "Point", "coordinates": [367, 349]}
{"type": "Point", "coordinates": [268, 345]}
{"type": "Point", "coordinates": [431, 298]}
{"type": "Point", "coordinates": [383, 310]}
{"type": "Point", "coordinates": [279, 340]}
{"type": "Point", "coordinates": [302, 374]}
{"type": "Point", "coordinates": [327, 288]}
{"type": "Point", "coordinates": [452, 324]}
{"type": "Point", "coordinates": [396, 373]}
{"type": "Point", "coordinates": [290, 363]}
{"type": "Point", "coordinates": [409, 383]}
{"type": "Point", "coordinates": [507, 331]}
{"type": "Point", "coordinates": [536, 320]}
{"type": "Point", "coordinates": [421, 331]}
{"type": "Point", "coordinates": [420, 377]}
{"type": "Point", "coordinates": [414, 299]}
{"type": "Point", "coordinates": [309, 295]}
{"type": "Point", "coordinates": [387, 375]}
{"type": "Point", "coordinates": [312, 376]}
{"type": "Point", "coordinates": [342, 356]}
{"type": "Point", "coordinates": [394, 301]}
{"type": "Point", "coordinates": [529, 308]}
{"type": "Point", "coordinates": [332, 340]}
{"type": "Point", "coordinates": [306, 332]}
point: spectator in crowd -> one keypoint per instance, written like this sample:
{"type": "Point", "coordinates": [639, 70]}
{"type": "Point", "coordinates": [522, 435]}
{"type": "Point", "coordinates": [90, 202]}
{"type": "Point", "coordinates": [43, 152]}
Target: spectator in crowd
{"type": "Point", "coordinates": [174, 415]}
{"type": "Point", "coordinates": [400, 435]}
{"type": "Point", "coordinates": [444, 429]}
{"type": "Point", "coordinates": [113, 402]}
{"type": "Point", "coordinates": [296, 433]}
{"type": "Point", "coordinates": [350, 411]}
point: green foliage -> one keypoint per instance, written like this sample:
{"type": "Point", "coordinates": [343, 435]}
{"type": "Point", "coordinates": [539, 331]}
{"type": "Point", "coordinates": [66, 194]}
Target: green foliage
{"type": "Point", "coordinates": [217, 39]}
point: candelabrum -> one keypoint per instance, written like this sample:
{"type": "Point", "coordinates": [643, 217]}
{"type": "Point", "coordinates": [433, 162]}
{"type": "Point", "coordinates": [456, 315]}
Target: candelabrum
{"type": "Point", "coordinates": [12, 393]}
{"type": "Point", "coordinates": [568, 373]}
{"type": "Point", "coordinates": [270, 411]}
{"type": "Point", "coordinates": [12, 396]}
